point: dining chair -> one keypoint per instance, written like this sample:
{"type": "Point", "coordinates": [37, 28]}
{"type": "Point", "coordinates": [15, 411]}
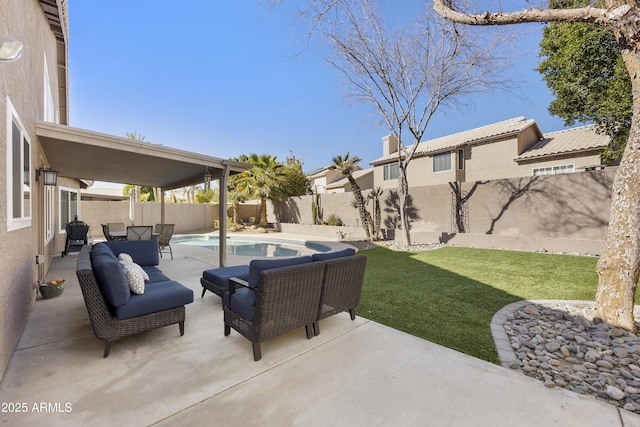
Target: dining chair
{"type": "Point", "coordinates": [139, 232]}
{"type": "Point", "coordinates": [164, 233]}
{"type": "Point", "coordinates": [116, 226]}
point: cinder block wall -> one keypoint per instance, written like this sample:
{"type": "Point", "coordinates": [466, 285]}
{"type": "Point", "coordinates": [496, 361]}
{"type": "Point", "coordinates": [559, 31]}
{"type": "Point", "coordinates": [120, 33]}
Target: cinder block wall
{"type": "Point", "coordinates": [568, 212]}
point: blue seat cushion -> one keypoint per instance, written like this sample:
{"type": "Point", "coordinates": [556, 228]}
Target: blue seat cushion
{"type": "Point", "coordinates": [220, 276]}
{"type": "Point", "coordinates": [243, 302]}
{"type": "Point", "coordinates": [111, 278]}
{"type": "Point", "coordinates": [143, 252]}
{"type": "Point", "coordinates": [157, 297]}
{"type": "Point", "coordinates": [155, 275]}
{"type": "Point", "coordinates": [101, 249]}
{"type": "Point", "coordinates": [324, 256]}
{"type": "Point", "coordinates": [257, 266]}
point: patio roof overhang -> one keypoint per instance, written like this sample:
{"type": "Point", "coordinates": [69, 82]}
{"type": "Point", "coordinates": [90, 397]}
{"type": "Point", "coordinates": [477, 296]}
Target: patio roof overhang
{"type": "Point", "coordinates": [84, 154]}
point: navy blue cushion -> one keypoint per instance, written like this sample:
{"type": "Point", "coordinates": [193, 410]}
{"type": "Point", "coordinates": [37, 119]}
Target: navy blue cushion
{"type": "Point", "coordinates": [243, 302]}
{"type": "Point", "coordinates": [220, 276]}
{"type": "Point", "coordinates": [101, 249]}
{"type": "Point", "coordinates": [155, 275]}
{"type": "Point", "coordinates": [111, 279]}
{"type": "Point", "coordinates": [257, 266]}
{"type": "Point", "coordinates": [157, 297]}
{"type": "Point", "coordinates": [332, 255]}
{"type": "Point", "coordinates": [143, 252]}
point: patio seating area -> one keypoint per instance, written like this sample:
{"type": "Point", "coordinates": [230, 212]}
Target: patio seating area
{"type": "Point", "coordinates": [355, 373]}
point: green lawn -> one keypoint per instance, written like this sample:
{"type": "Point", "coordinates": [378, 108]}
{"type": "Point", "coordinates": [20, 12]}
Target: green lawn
{"type": "Point", "coordinates": [448, 296]}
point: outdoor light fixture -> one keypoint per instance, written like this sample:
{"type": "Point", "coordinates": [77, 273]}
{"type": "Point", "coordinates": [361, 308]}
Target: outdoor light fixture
{"type": "Point", "coordinates": [49, 176]}
{"type": "Point", "coordinates": [10, 49]}
{"type": "Point", "coordinates": [207, 179]}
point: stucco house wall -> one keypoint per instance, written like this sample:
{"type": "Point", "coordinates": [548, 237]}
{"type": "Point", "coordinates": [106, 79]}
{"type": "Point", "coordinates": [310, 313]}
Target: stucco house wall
{"type": "Point", "coordinates": [22, 85]}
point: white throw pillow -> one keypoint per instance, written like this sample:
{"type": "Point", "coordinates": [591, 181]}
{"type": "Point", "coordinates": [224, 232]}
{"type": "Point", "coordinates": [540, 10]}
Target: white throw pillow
{"type": "Point", "coordinates": [126, 258]}
{"type": "Point", "coordinates": [135, 276]}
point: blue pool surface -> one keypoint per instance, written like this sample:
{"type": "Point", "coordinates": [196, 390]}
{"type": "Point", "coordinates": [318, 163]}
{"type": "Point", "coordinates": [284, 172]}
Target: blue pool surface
{"type": "Point", "coordinates": [252, 246]}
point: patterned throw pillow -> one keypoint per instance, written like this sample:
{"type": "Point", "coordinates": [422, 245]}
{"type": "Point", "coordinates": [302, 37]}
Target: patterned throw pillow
{"type": "Point", "coordinates": [126, 258]}
{"type": "Point", "coordinates": [135, 276]}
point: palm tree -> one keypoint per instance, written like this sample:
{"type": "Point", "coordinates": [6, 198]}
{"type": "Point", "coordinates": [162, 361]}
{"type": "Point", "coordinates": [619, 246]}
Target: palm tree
{"type": "Point", "coordinates": [346, 165]}
{"type": "Point", "coordinates": [377, 213]}
{"type": "Point", "coordinates": [264, 181]}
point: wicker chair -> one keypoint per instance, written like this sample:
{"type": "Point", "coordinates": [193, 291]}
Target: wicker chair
{"type": "Point", "coordinates": [105, 326]}
{"type": "Point", "coordinates": [343, 279]}
{"type": "Point", "coordinates": [285, 299]}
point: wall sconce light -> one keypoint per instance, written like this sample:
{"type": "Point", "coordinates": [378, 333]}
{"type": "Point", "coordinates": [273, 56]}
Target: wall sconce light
{"type": "Point", "coordinates": [49, 176]}
{"type": "Point", "coordinates": [207, 179]}
{"type": "Point", "coordinates": [10, 49]}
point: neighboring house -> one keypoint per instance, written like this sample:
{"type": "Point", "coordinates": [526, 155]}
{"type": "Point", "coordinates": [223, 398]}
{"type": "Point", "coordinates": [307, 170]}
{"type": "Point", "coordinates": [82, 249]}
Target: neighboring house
{"type": "Point", "coordinates": [321, 177]}
{"type": "Point", "coordinates": [508, 149]}
{"type": "Point", "coordinates": [363, 177]}
{"type": "Point", "coordinates": [36, 140]}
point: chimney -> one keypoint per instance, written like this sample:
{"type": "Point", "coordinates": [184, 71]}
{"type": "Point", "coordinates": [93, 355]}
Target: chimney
{"type": "Point", "coordinates": [389, 145]}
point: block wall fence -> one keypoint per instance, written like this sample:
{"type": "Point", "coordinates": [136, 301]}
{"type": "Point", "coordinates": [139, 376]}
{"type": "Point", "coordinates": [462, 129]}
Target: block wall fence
{"type": "Point", "coordinates": [556, 213]}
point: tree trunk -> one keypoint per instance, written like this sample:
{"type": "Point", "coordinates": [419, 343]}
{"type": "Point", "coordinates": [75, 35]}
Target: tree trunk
{"type": "Point", "coordinates": [235, 207]}
{"type": "Point", "coordinates": [403, 190]}
{"type": "Point", "coordinates": [360, 201]}
{"type": "Point", "coordinates": [618, 267]}
{"type": "Point", "coordinates": [378, 217]}
{"type": "Point", "coordinates": [263, 213]}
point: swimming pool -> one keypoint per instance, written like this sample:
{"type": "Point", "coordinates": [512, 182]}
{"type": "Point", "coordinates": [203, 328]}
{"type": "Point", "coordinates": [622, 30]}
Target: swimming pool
{"type": "Point", "coordinates": [252, 246]}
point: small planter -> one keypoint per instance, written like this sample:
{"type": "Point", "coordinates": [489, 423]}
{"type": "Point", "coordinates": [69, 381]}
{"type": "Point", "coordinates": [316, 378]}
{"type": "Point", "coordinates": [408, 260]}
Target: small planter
{"type": "Point", "coordinates": [49, 290]}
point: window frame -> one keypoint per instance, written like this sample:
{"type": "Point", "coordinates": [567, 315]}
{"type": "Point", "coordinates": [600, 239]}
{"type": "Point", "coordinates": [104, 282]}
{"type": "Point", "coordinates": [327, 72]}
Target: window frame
{"type": "Point", "coordinates": [390, 171]}
{"type": "Point", "coordinates": [461, 159]}
{"type": "Point", "coordinates": [24, 164]}
{"type": "Point", "coordinates": [446, 154]}
{"type": "Point", "coordinates": [554, 170]}
{"type": "Point", "coordinates": [49, 215]}
{"type": "Point", "coordinates": [61, 222]}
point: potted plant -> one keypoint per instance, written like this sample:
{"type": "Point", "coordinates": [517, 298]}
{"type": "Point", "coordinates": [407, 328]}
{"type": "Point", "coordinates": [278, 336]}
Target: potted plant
{"type": "Point", "coordinates": [51, 289]}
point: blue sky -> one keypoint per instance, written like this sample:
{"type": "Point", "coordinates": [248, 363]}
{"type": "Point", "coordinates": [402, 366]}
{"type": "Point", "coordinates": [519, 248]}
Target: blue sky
{"type": "Point", "coordinates": [222, 78]}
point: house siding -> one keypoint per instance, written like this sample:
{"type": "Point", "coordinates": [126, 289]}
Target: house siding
{"type": "Point", "coordinates": [22, 82]}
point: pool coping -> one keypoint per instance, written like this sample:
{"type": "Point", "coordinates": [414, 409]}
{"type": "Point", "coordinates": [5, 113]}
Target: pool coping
{"type": "Point", "coordinates": [240, 259]}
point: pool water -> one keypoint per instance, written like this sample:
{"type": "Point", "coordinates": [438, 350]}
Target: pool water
{"type": "Point", "coordinates": [252, 246]}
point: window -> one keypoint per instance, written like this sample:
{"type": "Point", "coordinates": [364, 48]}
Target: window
{"type": "Point", "coordinates": [68, 206]}
{"type": "Point", "coordinates": [442, 162]}
{"type": "Point", "coordinates": [554, 170]}
{"type": "Point", "coordinates": [18, 172]}
{"type": "Point", "coordinates": [49, 197]}
{"type": "Point", "coordinates": [461, 159]}
{"type": "Point", "coordinates": [390, 172]}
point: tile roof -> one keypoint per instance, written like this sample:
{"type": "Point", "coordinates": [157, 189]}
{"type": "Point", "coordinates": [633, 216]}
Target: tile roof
{"type": "Point", "coordinates": [492, 131]}
{"type": "Point", "coordinates": [566, 141]}
{"type": "Point", "coordinates": [344, 181]}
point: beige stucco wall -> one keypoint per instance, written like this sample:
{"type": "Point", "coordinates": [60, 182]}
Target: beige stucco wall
{"type": "Point", "coordinates": [493, 161]}
{"type": "Point", "coordinates": [564, 209]}
{"type": "Point", "coordinates": [188, 218]}
{"type": "Point", "coordinates": [22, 82]}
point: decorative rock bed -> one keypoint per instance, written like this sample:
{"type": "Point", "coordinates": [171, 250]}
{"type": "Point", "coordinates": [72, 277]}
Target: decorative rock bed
{"type": "Point", "coordinates": [561, 345]}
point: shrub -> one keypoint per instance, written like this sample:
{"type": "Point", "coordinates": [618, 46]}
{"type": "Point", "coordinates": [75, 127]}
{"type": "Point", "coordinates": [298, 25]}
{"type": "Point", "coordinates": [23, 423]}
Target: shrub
{"type": "Point", "coordinates": [334, 220]}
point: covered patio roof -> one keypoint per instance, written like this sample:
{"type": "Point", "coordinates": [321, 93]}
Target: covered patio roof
{"type": "Point", "coordinates": [84, 154]}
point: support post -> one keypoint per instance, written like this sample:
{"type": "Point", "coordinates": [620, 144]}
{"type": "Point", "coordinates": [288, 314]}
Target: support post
{"type": "Point", "coordinates": [222, 212]}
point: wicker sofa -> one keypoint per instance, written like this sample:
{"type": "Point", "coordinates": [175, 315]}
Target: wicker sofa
{"type": "Point", "coordinates": [281, 295]}
{"type": "Point", "coordinates": [116, 312]}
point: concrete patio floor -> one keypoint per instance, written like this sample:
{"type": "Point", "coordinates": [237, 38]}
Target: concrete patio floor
{"type": "Point", "coordinates": [355, 373]}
